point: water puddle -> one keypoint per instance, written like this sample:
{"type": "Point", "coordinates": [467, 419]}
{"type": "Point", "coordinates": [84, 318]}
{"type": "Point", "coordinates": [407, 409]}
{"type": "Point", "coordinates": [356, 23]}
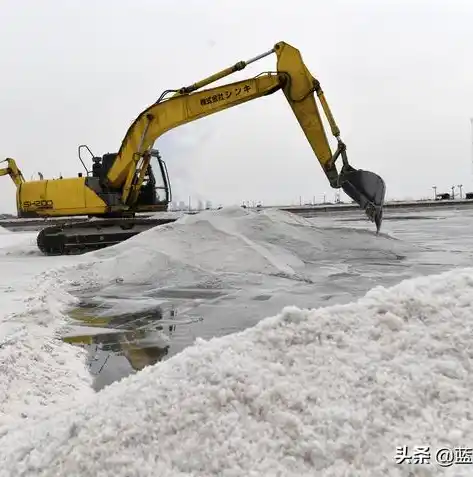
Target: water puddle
{"type": "Point", "coordinates": [121, 342]}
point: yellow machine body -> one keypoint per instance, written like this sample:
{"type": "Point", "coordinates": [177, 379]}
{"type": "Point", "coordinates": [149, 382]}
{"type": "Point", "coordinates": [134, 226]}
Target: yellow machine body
{"type": "Point", "coordinates": [58, 197]}
{"type": "Point", "coordinates": [124, 183]}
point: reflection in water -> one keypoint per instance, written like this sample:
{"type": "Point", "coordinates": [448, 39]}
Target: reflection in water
{"type": "Point", "coordinates": [121, 341]}
{"type": "Point", "coordinates": [129, 344]}
{"type": "Point", "coordinates": [141, 338]}
{"type": "Point", "coordinates": [95, 314]}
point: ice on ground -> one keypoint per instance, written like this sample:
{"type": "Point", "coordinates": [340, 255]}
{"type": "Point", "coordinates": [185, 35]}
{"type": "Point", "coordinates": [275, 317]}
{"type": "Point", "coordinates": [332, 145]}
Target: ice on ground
{"type": "Point", "coordinates": [331, 391]}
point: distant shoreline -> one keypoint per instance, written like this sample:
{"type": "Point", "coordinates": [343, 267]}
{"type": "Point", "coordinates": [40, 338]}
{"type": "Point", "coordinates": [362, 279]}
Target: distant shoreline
{"type": "Point", "coordinates": [415, 204]}
{"type": "Point", "coordinates": [14, 223]}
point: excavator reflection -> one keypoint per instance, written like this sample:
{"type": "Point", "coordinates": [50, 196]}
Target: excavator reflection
{"type": "Point", "coordinates": [123, 343]}
{"type": "Point", "coordinates": [124, 184]}
{"type": "Point", "coordinates": [139, 337]}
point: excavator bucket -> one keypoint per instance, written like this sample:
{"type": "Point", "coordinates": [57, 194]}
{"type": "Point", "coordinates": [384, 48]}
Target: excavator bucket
{"type": "Point", "coordinates": [367, 189]}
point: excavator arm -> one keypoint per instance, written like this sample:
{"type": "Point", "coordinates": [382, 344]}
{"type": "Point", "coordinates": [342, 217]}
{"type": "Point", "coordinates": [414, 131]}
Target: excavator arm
{"type": "Point", "coordinates": [13, 171]}
{"type": "Point", "coordinates": [188, 104]}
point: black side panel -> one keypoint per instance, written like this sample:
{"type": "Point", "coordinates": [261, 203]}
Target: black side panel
{"type": "Point", "coordinates": [107, 163]}
{"type": "Point", "coordinates": [22, 214]}
{"type": "Point", "coordinates": [110, 198]}
{"type": "Point", "coordinates": [94, 184]}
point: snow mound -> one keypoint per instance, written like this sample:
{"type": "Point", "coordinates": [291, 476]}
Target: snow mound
{"type": "Point", "coordinates": [3, 230]}
{"type": "Point", "coordinates": [18, 244]}
{"type": "Point", "coordinates": [39, 372]}
{"type": "Point", "coordinates": [330, 391]}
{"type": "Point", "coordinates": [215, 246]}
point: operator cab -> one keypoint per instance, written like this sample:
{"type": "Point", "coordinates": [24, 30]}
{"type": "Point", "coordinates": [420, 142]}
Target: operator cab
{"type": "Point", "coordinates": [155, 189]}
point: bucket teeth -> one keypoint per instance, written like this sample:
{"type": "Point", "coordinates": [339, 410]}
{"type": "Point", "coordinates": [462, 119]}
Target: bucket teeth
{"type": "Point", "coordinates": [368, 190]}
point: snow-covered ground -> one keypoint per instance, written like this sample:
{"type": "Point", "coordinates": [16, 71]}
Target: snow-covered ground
{"type": "Point", "coordinates": [330, 385]}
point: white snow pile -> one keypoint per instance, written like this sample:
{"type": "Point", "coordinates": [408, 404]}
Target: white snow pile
{"type": "Point", "coordinates": [3, 230]}
{"type": "Point", "coordinates": [38, 371]}
{"type": "Point", "coordinates": [18, 243]}
{"type": "Point", "coordinates": [331, 392]}
{"type": "Point", "coordinates": [215, 246]}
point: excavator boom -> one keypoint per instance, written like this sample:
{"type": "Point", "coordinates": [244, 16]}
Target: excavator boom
{"type": "Point", "coordinates": [12, 171]}
{"type": "Point", "coordinates": [299, 87]}
{"type": "Point", "coordinates": [123, 183]}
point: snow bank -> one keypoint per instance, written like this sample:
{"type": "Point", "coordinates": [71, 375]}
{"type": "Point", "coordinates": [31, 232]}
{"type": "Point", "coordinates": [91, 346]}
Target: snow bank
{"type": "Point", "coordinates": [213, 247]}
{"type": "Point", "coordinates": [328, 392]}
{"type": "Point", "coordinates": [38, 371]}
{"type": "Point", "coordinates": [18, 243]}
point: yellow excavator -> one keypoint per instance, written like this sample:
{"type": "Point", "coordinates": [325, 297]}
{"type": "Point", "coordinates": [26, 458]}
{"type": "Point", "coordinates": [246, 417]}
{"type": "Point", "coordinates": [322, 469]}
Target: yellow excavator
{"type": "Point", "coordinates": [135, 180]}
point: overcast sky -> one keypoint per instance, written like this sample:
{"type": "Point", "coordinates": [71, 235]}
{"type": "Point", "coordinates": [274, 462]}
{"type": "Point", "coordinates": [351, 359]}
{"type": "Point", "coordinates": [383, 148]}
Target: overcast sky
{"type": "Point", "coordinates": [397, 74]}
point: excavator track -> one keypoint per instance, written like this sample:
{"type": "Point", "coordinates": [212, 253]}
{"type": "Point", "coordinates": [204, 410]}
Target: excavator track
{"type": "Point", "coordinates": [88, 235]}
